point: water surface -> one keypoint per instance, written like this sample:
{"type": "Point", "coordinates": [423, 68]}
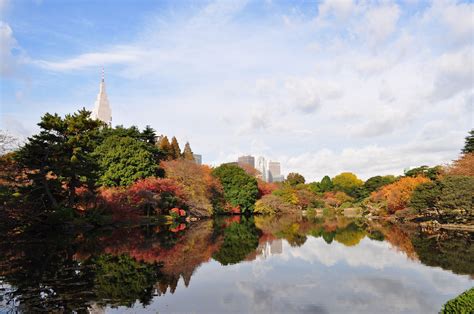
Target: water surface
{"type": "Point", "coordinates": [262, 265]}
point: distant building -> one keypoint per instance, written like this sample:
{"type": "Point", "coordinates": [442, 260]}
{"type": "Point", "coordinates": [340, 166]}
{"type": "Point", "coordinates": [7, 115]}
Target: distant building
{"type": "Point", "coordinates": [262, 168]}
{"type": "Point", "coordinates": [246, 160]}
{"type": "Point", "coordinates": [276, 247]}
{"type": "Point", "coordinates": [274, 171]}
{"type": "Point", "coordinates": [198, 159]}
{"type": "Point", "coordinates": [102, 110]}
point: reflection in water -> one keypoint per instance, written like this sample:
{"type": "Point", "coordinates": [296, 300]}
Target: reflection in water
{"type": "Point", "coordinates": [346, 262]}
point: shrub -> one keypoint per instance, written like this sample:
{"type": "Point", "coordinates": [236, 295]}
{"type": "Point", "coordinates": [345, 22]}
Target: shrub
{"type": "Point", "coordinates": [397, 195]}
{"type": "Point", "coordinates": [240, 189]}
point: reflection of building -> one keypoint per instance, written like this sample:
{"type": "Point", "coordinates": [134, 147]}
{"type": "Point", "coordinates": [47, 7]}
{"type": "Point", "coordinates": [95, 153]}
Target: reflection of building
{"type": "Point", "coordinates": [276, 247]}
{"type": "Point", "coordinates": [102, 110]}
{"type": "Point", "coordinates": [247, 160]}
{"type": "Point", "coordinates": [198, 159]}
{"type": "Point", "coordinates": [268, 249]}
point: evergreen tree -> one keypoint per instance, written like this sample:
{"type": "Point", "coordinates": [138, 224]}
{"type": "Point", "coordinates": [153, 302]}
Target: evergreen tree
{"type": "Point", "coordinates": [60, 156]}
{"type": "Point", "coordinates": [187, 152]}
{"type": "Point", "coordinates": [469, 145]}
{"type": "Point", "coordinates": [166, 148]}
{"type": "Point", "coordinates": [149, 135]}
{"type": "Point", "coordinates": [326, 184]}
{"type": "Point", "coordinates": [175, 150]}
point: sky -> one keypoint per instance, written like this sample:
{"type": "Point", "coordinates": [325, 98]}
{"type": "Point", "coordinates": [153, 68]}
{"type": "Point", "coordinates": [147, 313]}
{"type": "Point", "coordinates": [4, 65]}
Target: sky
{"type": "Point", "coordinates": [370, 87]}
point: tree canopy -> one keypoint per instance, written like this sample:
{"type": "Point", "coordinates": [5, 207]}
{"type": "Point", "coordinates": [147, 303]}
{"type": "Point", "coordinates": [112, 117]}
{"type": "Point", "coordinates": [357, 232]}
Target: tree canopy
{"type": "Point", "coordinates": [347, 182]}
{"type": "Point", "coordinates": [295, 178]}
{"type": "Point", "coordinates": [469, 144]}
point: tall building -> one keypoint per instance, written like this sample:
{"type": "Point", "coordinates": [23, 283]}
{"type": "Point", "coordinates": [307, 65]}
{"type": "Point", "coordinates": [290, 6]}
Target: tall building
{"type": "Point", "coordinates": [274, 172]}
{"type": "Point", "coordinates": [262, 167]}
{"type": "Point", "coordinates": [247, 160]}
{"type": "Point", "coordinates": [102, 110]}
{"type": "Point", "coordinates": [198, 159]}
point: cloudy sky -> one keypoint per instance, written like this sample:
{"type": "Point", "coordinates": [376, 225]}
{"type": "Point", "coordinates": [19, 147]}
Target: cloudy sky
{"type": "Point", "coordinates": [371, 87]}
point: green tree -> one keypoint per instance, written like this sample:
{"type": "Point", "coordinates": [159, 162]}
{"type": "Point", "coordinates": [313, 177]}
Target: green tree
{"type": "Point", "coordinates": [60, 156]}
{"type": "Point", "coordinates": [123, 160]}
{"type": "Point", "coordinates": [187, 152]}
{"type": "Point", "coordinates": [457, 193]}
{"type": "Point", "coordinates": [425, 196]}
{"type": "Point", "coordinates": [175, 150]}
{"type": "Point", "coordinates": [374, 183]}
{"type": "Point", "coordinates": [166, 148]}
{"type": "Point", "coordinates": [149, 135]}
{"type": "Point", "coordinates": [469, 145]}
{"type": "Point", "coordinates": [240, 189]}
{"type": "Point", "coordinates": [463, 303]}
{"type": "Point", "coordinates": [431, 173]}
{"type": "Point", "coordinates": [295, 178]}
{"type": "Point", "coordinates": [326, 184]}
{"type": "Point", "coordinates": [347, 182]}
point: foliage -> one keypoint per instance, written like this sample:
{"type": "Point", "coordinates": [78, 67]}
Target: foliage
{"type": "Point", "coordinates": [457, 193]}
{"type": "Point", "coordinates": [203, 191]}
{"type": "Point", "coordinates": [273, 204]}
{"type": "Point", "coordinates": [462, 304]}
{"type": "Point", "coordinates": [265, 188]}
{"type": "Point", "coordinates": [175, 150]}
{"type": "Point", "coordinates": [123, 160]}
{"type": "Point", "coordinates": [294, 179]}
{"type": "Point", "coordinates": [398, 194]}
{"type": "Point", "coordinates": [149, 135]}
{"type": "Point", "coordinates": [431, 173]}
{"type": "Point", "coordinates": [374, 183]}
{"type": "Point", "coordinates": [187, 152]}
{"type": "Point", "coordinates": [240, 189]}
{"type": "Point", "coordinates": [60, 156]}
{"type": "Point", "coordinates": [7, 142]}
{"type": "Point", "coordinates": [288, 194]}
{"type": "Point", "coordinates": [240, 239]}
{"type": "Point", "coordinates": [425, 196]}
{"type": "Point", "coordinates": [336, 199]}
{"type": "Point", "coordinates": [166, 148]}
{"type": "Point", "coordinates": [464, 166]}
{"type": "Point", "coordinates": [469, 144]}
{"type": "Point", "coordinates": [350, 235]}
{"type": "Point", "coordinates": [326, 184]}
{"type": "Point", "coordinates": [347, 182]}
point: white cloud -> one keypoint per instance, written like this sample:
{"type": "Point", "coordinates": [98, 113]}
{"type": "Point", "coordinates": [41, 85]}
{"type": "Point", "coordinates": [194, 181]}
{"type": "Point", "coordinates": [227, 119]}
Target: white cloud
{"type": "Point", "coordinates": [8, 60]}
{"type": "Point", "coordinates": [380, 22]}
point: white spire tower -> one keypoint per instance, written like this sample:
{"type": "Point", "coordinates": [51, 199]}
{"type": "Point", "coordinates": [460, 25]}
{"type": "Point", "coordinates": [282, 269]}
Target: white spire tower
{"type": "Point", "coordinates": [102, 110]}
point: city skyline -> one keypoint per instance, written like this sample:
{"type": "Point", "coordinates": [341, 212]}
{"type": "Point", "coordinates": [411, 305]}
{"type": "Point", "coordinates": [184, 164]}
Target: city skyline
{"type": "Point", "coordinates": [323, 87]}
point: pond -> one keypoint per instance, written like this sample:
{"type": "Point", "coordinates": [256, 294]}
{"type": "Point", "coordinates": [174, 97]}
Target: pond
{"type": "Point", "coordinates": [289, 264]}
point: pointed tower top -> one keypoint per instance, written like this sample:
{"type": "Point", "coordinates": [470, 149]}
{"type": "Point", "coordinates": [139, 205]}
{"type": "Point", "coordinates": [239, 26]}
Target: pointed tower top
{"type": "Point", "coordinates": [102, 110]}
{"type": "Point", "coordinates": [103, 74]}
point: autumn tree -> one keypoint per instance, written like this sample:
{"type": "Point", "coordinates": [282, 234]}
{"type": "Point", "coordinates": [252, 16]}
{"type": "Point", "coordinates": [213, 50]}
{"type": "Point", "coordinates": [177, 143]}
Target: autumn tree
{"type": "Point", "coordinates": [187, 152]}
{"type": "Point", "coordinates": [469, 144]}
{"type": "Point", "coordinates": [240, 189]}
{"type": "Point", "coordinates": [295, 178]}
{"type": "Point", "coordinates": [175, 150]}
{"type": "Point", "coordinates": [7, 142]}
{"type": "Point", "coordinates": [464, 166]}
{"type": "Point", "coordinates": [60, 156]}
{"type": "Point", "coordinates": [166, 148]}
{"type": "Point", "coordinates": [347, 182]}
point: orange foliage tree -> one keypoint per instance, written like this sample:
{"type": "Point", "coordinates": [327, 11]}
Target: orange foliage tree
{"type": "Point", "coordinates": [397, 195]}
{"type": "Point", "coordinates": [202, 190]}
{"type": "Point", "coordinates": [464, 166]}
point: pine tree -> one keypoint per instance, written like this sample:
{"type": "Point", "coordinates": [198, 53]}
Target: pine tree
{"type": "Point", "coordinates": [149, 135]}
{"type": "Point", "coordinates": [175, 150]}
{"type": "Point", "coordinates": [166, 148]}
{"type": "Point", "coordinates": [187, 152]}
{"type": "Point", "coordinates": [469, 145]}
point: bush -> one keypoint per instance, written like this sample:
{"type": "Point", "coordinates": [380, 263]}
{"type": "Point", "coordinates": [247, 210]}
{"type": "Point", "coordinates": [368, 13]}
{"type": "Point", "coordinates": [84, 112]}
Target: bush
{"type": "Point", "coordinates": [240, 189]}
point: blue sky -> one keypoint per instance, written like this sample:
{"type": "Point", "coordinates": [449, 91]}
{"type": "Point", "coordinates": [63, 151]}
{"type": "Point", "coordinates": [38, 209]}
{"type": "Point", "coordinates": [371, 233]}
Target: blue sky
{"type": "Point", "coordinates": [323, 86]}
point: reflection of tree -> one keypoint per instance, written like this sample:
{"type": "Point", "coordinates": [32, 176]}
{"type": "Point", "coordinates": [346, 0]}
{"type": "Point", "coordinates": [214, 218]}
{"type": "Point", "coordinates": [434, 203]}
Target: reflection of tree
{"type": "Point", "coordinates": [293, 235]}
{"type": "Point", "coordinates": [121, 280]}
{"type": "Point", "coordinates": [240, 239]}
{"type": "Point", "coordinates": [351, 235]}
{"type": "Point", "coordinates": [453, 251]}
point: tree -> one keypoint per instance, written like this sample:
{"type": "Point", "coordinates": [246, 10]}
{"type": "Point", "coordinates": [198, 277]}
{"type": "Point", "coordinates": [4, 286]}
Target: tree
{"type": "Point", "coordinates": [326, 184]}
{"type": "Point", "coordinates": [60, 156]}
{"type": "Point", "coordinates": [7, 142]}
{"type": "Point", "coordinates": [149, 135]}
{"type": "Point", "coordinates": [347, 182]}
{"type": "Point", "coordinates": [425, 196]}
{"type": "Point", "coordinates": [187, 152]}
{"type": "Point", "coordinates": [175, 150]}
{"type": "Point", "coordinates": [469, 145]}
{"type": "Point", "coordinates": [457, 193]}
{"type": "Point", "coordinates": [431, 173]}
{"type": "Point", "coordinates": [166, 148]}
{"type": "Point", "coordinates": [295, 178]}
{"type": "Point", "coordinates": [464, 166]}
{"type": "Point", "coordinates": [123, 160]}
{"type": "Point", "coordinates": [240, 189]}
{"type": "Point", "coordinates": [374, 183]}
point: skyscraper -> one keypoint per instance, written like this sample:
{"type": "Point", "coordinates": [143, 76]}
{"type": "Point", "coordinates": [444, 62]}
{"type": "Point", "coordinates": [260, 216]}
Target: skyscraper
{"type": "Point", "coordinates": [262, 167]}
{"type": "Point", "coordinates": [102, 110]}
{"type": "Point", "coordinates": [246, 160]}
{"type": "Point", "coordinates": [198, 159]}
{"type": "Point", "coordinates": [274, 171]}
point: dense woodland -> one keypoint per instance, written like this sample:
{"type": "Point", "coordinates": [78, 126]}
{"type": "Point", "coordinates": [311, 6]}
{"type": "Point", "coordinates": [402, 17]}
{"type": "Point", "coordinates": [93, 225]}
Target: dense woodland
{"type": "Point", "coordinates": [79, 170]}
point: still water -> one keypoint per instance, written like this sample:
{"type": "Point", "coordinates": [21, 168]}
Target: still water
{"type": "Point", "coordinates": [288, 264]}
